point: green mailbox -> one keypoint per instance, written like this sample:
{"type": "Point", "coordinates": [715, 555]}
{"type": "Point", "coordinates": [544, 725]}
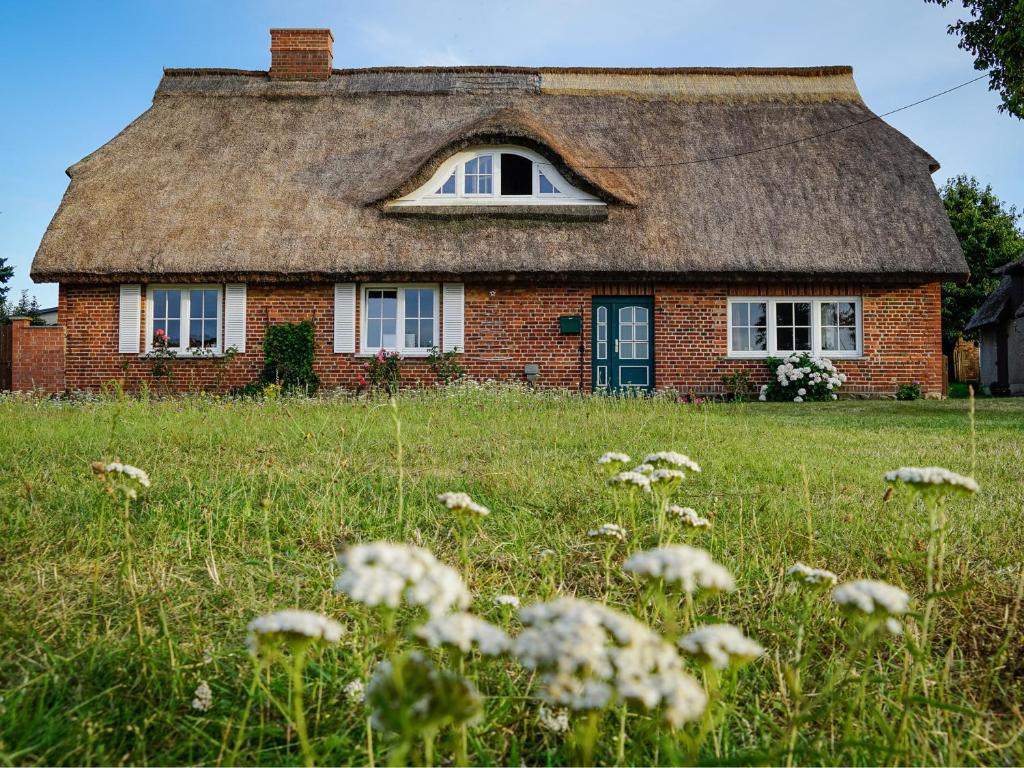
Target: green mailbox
{"type": "Point", "coordinates": [570, 324]}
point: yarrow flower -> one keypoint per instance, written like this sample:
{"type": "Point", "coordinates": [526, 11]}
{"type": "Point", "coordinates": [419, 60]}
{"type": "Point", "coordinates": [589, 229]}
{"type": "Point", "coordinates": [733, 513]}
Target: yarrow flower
{"type": "Point", "coordinates": [644, 469]}
{"type": "Point", "coordinates": [461, 502]}
{"type": "Point", "coordinates": [291, 625]}
{"type": "Point", "coordinates": [875, 599]}
{"type": "Point", "coordinates": [688, 516]}
{"type": "Point", "coordinates": [720, 646]}
{"type": "Point", "coordinates": [932, 479]}
{"type": "Point", "coordinates": [690, 568]}
{"type": "Point", "coordinates": [202, 699]}
{"type": "Point", "coordinates": [507, 600]}
{"type": "Point", "coordinates": [608, 531]}
{"type": "Point", "coordinates": [666, 478]}
{"type": "Point", "coordinates": [465, 632]}
{"type": "Point", "coordinates": [632, 480]}
{"type": "Point", "coordinates": [812, 577]}
{"type": "Point", "coordinates": [555, 720]}
{"type": "Point", "coordinates": [590, 656]}
{"type": "Point", "coordinates": [123, 477]}
{"type": "Point", "coordinates": [385, 574]}
{"type": "Point", "coordinates": [671, 459]}
{"type": "Point", "coordinates": [614, 459]}
{"type": "Point", "coordinates": [355, 691]}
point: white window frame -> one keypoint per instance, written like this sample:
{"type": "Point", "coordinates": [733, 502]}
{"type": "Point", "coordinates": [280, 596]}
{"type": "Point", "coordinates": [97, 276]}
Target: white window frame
{"type": "Point", "coordinates": [364, 350]}
{"type": "Point", "coordinates": [815, 350]}
{"type": "Point", "coordinates": [428, 195]}
{"type": "Point", "coordinates": [183, 350]}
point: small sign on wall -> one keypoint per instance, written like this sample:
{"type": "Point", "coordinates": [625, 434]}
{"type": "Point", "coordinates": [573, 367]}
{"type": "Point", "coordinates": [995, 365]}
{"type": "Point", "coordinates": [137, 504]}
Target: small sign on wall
{"type": "Point", "coordinates": [570, 324]}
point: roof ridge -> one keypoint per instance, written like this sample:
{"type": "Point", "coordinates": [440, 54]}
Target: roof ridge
{"type": "Point", "coordinates": [819, 71]}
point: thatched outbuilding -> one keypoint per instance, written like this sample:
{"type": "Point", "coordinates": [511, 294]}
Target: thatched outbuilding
{"type": "Point", "coordinates": [999, 322]}
{"type": "Point", "coordinates": [696, 221]}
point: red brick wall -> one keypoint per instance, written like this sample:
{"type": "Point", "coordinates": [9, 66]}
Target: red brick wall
{"type": "Point", "coordinates": [508, 327]}
{"type": "Point", "coordinates": [36, 357]}
{"type": "Point", "coordinates": [301, 54]}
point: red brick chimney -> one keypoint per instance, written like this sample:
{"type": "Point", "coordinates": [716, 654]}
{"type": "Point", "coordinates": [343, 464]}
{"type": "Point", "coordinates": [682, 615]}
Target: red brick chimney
{"type": "Point", "coordinates": [301, 54]}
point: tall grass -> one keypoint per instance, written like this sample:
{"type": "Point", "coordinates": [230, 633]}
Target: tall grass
{"type": "Point", "coordinates": [250, 502]}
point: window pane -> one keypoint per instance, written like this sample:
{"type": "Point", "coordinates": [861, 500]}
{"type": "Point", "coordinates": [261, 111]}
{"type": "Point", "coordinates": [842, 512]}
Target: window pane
{"type": "Point", "coordinates": [758, 313]}
{"type": "Point", "coordinates": [640, 350]}
{"type": "Point", "coordinates": [784, 313]}
{"type": "Point", "coordinates": [173, 330]}
{"type": "Point", "coordinates": [626, 332]}
{"type": "Point", "coordinates": [803, 313]}
{"type": "Point", "coordinates": [784, 339]}
{"type": "Point", "coordinates": [426, 303]}
{"type": "Point", "coordinates": [470, 185]}
{"type": "Point", "coordinates": [828, 314]}
{"type": "Point", "coordinates": [829, 339]}
{"type": "Point", "coordinates": [485, 164]}
{"type": "Point", "coordinates": [373, 336]}
{"type": "Point", "coordinates": [389, 333]}
{"type": "Point", "coordinates": [485, 185]}
{"type": "Point", "coordinates": [803, 339]}
{"type": "Point", "coordinates": [740, 314]}
{"type": "Point", "coordinates": [640, 314]}
{"type": "Point", "coordinates": [195, 302]}
{"type": "Point", "coordinates": [847, 311]}
{"type": "Point", "coordinates": [740, 341]}
{"type": "Point", "coordinates": [848, 339]}
{"type": "Point", "coordinates": [448, 188]}
{"type": "Point", "coordinates": [546, 187]}
{"type": "Point", "coordinates": [411, 333]}
{"type": "Point", "coordinates": [195, 333]}
{"type": "Point", "coordinates": [210, 333]}
{"type": "Point", "coordinates": [426, 333]}
{"type": "Point", "coordinates": [173, 303]}
{"type": "Point", "coordinates": [759, 339]}
{"type": "Point", "coordinates": [471, 165]}
{"type": "Point", "coordinates": [626, 351]}
{"type": "Point", "coordinates": [516, 174]}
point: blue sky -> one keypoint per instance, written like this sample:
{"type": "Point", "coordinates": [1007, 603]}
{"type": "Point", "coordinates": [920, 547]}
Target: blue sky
{"type": "Point", "coordinates": [75, 73]}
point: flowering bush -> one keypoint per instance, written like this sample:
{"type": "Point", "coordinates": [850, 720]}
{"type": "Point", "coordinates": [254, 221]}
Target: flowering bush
{"type": "Point", "coordinates": [383, 371]}
{"type": "Point", "coordinates": [801, 377]}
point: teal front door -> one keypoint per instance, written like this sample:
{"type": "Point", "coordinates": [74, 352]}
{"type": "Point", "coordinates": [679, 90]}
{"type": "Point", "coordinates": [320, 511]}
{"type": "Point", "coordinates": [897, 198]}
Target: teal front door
{"type": "Point", "coordinates": [622, 343]}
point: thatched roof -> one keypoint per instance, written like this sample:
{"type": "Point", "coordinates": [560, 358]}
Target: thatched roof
{"type": "Point", "coordinates": [999, 304]}
{"type": "Point", "coordinates": [231, 174]}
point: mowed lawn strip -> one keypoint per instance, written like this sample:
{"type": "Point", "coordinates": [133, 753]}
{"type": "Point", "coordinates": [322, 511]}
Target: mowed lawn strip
{"type": "Point", "coordinates": [250, 501]}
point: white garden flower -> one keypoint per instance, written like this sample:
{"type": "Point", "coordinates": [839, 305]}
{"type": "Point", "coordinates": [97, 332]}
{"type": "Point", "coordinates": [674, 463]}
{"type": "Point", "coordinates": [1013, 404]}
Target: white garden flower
{"type": "Point", "coordinates": [608, 531]}
{"type": "Point", "coordinates": [202, 699]}
{"type": "Point", "coordinates": [932, 479]}
{"type": "Point", "coordinates": [631, 480]}
{"type": "Point", "coordinates": [812, 576]}
{"type": "Point", "coordinates": [798, 399]}
{"type": "Point", "coordinates": [510, 601]}
{"type": "Point", "coordinates": [461, 502]}
{"type": "Point", "coordinates": [835, 397]}
{"type": "Point", "coordinates": [667, 477]}
{"type": "Point", "coordinates": [644, 469]}
{"type": "Point", "coordinates": [355, 691]}
{"type": "Point", "coordinates": [721, 646]}
{"type": "Point", "coordinates": [589, 655]}
{"type": "Point", "coordinates": [801, 391]}
{"type": "Point", "coordinates": [688, 517]}
{"type": "Point", "coordinates": [555, 720]}
{"type": "Point", "coordinates": [872, 598]}
{"type": "Point", "coordinates": [385, 574]}
{"type": "Point", "coordinates": [671, 459]}
{"type": "Point", "coordinates": [614, 458]}
{"type": "Point", "coordinates": [465, 632]}
{"type": "Point", "coordinates": [292, 625]}
{"type": "Point", "coordinates": [689, 568]}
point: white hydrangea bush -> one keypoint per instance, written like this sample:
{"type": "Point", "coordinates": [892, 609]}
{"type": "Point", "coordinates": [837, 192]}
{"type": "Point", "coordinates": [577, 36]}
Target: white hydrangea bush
{"type": "Point", "coordinates": [800, 378]}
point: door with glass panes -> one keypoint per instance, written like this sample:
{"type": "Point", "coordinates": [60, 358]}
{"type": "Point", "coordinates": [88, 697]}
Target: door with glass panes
{"type": "Point", "coordinates": [622, 343]}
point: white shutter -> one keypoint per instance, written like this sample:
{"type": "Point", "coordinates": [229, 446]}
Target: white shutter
{"type": "Point", "coordinates": [128, 318]}
{"type": "Point", "coordinates": [453, 301]}
{"type": "Point", "coordinates": [234, 316]}
{"type": "Point", "coordinates": [344, 317]}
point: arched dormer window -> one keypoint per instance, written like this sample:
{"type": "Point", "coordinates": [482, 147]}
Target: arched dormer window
{"type": "Point", "coordinates": [496, 175]}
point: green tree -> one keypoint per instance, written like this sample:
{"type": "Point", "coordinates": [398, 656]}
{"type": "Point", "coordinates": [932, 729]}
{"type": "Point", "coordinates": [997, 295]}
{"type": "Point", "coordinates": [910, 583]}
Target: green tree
{"type": "Point", "coordinates": [994, 35]}
{"type": "Point", "coordinates": [988, 233]}
{"type": "Point", "coordinates": [6, 273]}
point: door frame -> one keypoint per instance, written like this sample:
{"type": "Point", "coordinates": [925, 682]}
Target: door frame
{"type": "Point", "coordinates": [614, 303]}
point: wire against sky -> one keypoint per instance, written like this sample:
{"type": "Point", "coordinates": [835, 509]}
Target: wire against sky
{"type": "Point", "coordinates": [792, 142]}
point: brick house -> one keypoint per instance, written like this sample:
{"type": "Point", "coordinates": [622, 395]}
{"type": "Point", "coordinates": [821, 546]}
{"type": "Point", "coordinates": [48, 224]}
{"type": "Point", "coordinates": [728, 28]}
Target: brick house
{"type": "Point", "coordinates": [593, 228]}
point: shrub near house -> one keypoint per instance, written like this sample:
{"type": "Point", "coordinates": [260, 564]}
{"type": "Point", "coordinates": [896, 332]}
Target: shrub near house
{"type": "Point", "coordinates": [485, 206]}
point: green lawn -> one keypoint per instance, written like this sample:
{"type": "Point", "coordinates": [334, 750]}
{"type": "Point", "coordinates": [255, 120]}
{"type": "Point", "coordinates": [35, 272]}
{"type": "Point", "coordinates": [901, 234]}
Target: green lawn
{"type": "Point", "coordinates": [250, 502]}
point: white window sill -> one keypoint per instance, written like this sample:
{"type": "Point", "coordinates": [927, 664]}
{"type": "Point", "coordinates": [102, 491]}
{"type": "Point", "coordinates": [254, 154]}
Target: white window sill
{"type": "Point", "coordinates": [405, 355]}
{"type": "Point", "coordinates": [784, 355]}
{"type": "Point", "coordinates": [181, 356]}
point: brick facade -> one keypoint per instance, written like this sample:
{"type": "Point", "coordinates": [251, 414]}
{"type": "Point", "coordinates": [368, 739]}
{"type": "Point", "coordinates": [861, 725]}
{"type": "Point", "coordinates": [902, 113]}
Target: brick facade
{"type": "Point", "coordinates": [31, 357]}
{"type": "Point", "coordinates": [510, 326]}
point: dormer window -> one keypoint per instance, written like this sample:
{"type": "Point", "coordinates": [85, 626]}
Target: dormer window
{"type": "Point", "coordinates": [496, 176]}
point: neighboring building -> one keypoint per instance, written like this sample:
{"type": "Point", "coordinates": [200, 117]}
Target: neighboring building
{"type": "Point", "coordinates": [696, 221]}
{"type": "Point", "coordinates": [46, 316]}
{"type": "Point", "coordinates": [1000, 325]}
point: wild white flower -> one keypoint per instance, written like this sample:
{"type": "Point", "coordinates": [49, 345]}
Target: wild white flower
{"type": "Point", "coordinates": [292, 624]}
{"type": "Point", "coordinates": [720, 645]}
{"type": "Point", "coordinates": [812, 576]}
{"type": "Point", "coordinates": [932, 479]}
{"type": "Point", "coordinates": [631, 480]}
{"type": "Point", "coordinates": [134, 473]}
{"type": "Point", "coordinates": [546, 554]}
{"type": "Point", "coordinates": [589, 655]}
{"type": "Point", "coordinates": [614, 458]}
{"type": "Point", "coordinates": [385, 574]}
{"type": "Point", "coordinates": [465, 632]}
{"type": "Point", "coordinates": [670, 459]}
{"type": "Point", "coordinates": [667, 476]}
{"type": "Point", "coordinates": [608, 531]}
{"type": "Point", "coordinates": [872, 598]}
{"type": "Point", "coordinates": [688, 517]}
{"type": "Point", "coordinates": [644, 469]}
{"type": "Point", "coordinates": [124, 477]}
{"type": "Point", "coordinates": [461, 502]}
{"type": "Point", "coordinates": [507, 600]}
{"type": "Point", "coordinates": [202, 699]}
{"type": "Point", "coordinates": [690, 568]}
{"type": "Point", "coordinates": [355, 690]}
{"type": "Point", "coordinates": [555, 720]}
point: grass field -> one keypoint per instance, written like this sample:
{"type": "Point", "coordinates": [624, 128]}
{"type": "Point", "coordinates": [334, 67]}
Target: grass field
{"type": "Point", "coordinates": [251, 501]}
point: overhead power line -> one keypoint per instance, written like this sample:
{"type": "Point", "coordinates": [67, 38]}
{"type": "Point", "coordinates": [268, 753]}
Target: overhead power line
{"type": "Point", "coordinates": [771, 147]}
